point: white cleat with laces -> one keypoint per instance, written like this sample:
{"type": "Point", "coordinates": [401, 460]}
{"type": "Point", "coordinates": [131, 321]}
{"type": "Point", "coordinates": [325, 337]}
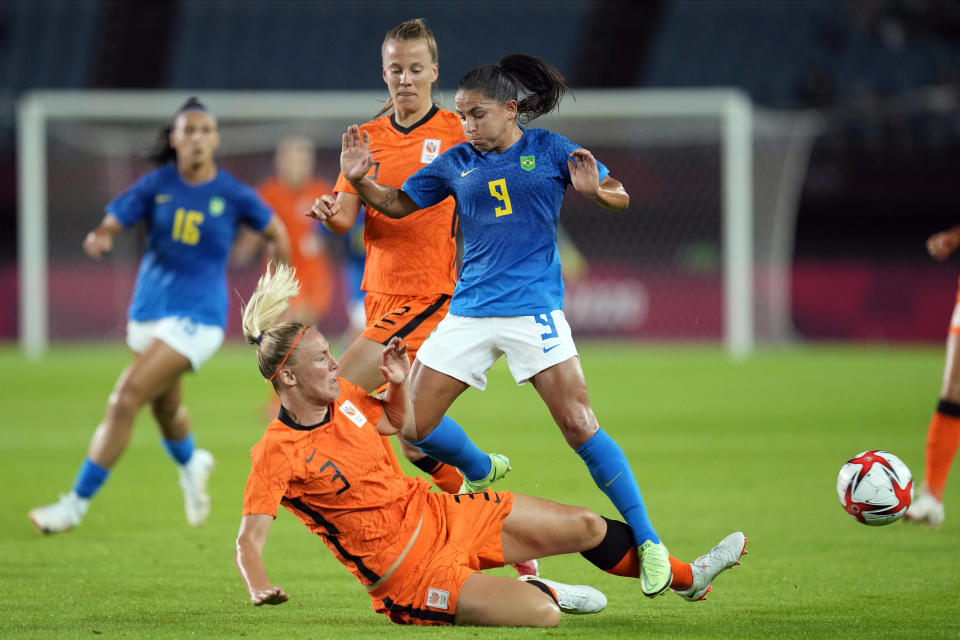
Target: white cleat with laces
{"type": "Point", "coordinates": [926, 510]}
{"type": "Point", "coordinates": [573, 598]}
{"type": "Point", "coordinates": [707, 567]}
{"type": "Point", "coordinates": [193, 480]}
{"type": "Point", "coordinates": [62, 515]}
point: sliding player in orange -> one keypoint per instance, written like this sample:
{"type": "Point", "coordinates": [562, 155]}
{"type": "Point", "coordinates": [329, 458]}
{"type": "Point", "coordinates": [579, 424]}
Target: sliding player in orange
{"type": "Point", "coordinates": [417, 553]}
{"type": "Point", "coordinates": [411, 263]}
{"type": "Point", "coordinates": [943, 435]}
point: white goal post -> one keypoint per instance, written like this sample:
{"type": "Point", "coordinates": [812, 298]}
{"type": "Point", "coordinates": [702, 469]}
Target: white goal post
{"type": "Point", "coordinates": [730, 110]}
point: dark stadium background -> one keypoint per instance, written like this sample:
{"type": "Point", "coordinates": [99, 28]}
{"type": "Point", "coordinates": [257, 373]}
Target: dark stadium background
{"type": "Point", "coordinates": [883, 176]}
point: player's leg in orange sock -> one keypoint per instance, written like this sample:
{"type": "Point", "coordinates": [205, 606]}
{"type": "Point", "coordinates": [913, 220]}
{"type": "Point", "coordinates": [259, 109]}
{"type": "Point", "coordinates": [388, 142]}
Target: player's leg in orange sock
{"type": "Point", "coordinates": [943, 438]}
{"type": "Point", "coordinates": [443, 475]}
{"type": "Point", "coordinates": [617, 554]}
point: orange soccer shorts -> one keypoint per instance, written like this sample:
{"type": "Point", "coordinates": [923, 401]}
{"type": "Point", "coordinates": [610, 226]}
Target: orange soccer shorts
{"type": "Point", "coordinates": [460, 535]}
{"type": "Point", "coordinates": [410, 318]}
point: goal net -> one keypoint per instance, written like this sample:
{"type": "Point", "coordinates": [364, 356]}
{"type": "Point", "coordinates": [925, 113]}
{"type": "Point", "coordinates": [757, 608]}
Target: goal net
{"type": "Point", "coordinates": [703, 252]}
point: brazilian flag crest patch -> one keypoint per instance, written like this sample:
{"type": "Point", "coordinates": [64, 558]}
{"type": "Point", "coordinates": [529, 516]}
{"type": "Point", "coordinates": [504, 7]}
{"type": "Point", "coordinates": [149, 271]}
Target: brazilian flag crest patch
{"type": "Point", "coordinates": [527, 163]}
{"type": "Point", "coordinates": [216, 206]}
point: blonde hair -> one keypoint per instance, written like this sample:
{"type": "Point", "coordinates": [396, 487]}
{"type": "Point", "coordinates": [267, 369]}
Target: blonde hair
{"type": "Point", "coordinates": [410, 30]}
{"type": "Point", "coordinates": [269, 300]}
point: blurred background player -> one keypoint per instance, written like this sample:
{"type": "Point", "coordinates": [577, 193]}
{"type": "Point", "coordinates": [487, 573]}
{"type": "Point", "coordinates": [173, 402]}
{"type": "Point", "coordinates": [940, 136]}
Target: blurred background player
{"type": "Point", "coordinates": [290, 192]}
{"type": "Point", "coordinates": [410, 268]}
{"type": "Point", "coordinates": [509, 184]}
{"type": "Point", "coordinates": [417, 553]}
{"type": "Point", "coordinates": [943, 435]}
{"type": "Point", "coordinates": [177, 317]}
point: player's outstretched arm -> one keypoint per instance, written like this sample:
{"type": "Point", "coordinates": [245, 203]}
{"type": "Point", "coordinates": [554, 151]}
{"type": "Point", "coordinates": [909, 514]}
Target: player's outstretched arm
{"type": "Point", "coordinates": [941, 245]}
{"type": "Point", "coordinates": [397, 406]}
{"type": "Point", "coordinates": [100, 240]}
{"type": "Point", "coordinates": [585, 178]}
{"type": "Point", "coordinates": [355, 162]}
{"type": "Point", "coordinates": [249, 559]}
{"type": "Point", "coordinates": [278, 242]}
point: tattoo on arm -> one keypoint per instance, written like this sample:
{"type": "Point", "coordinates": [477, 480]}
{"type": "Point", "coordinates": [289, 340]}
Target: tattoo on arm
{"type": "Point", "coordinates": [389, 197]}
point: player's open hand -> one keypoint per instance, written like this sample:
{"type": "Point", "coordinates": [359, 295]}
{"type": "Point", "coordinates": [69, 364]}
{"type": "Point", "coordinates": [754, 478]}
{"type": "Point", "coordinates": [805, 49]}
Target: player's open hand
{"type": "Point", "coordinates": [97, 244]}
{"type": "Point", "coordinates": [584, 174]}
{"type": "Point", "coordinates": [395, 364]}
{"type": "Point", "coordinates": [355, 158]}
{"type": "Point", "coordinates": [940, 245]}
{"type": "Point", "coordinates": [273, 595]}
{"type": "Point", "coordinates": [324, 208]}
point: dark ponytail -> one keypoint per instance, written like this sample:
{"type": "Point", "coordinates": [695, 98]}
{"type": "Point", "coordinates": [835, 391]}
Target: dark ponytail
{"type": "Point", "coordinates": [162, 152]}
{"type": "Point", "coordinates": [535, 84]}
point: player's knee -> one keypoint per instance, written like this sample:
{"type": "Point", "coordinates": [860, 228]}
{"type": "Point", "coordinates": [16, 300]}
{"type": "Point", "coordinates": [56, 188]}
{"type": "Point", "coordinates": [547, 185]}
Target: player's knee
{"type": "Point", "coordinates": [546, 613]}
{"type": "Point", "coordinates": [592, 527]}
{"type": "Point", "coordinates": [125, 401]}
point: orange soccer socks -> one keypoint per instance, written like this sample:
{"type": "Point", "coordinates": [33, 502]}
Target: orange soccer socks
{"type": "Point", "coordinates": [617, 554]}
{"type": "Point", "coordinates": [447, 478]}
{"type": "Point", "coordinates": [943, 437]}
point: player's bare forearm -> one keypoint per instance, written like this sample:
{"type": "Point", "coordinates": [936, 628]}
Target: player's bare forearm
{"type": "Point", "coordinates": [278, 242]}
{"type": "Point", "coordinates": [389, 201]}
{"type": "Point", "coordinates": [249, 559]}
{"type": "Point", "coordinates": [611, 195]}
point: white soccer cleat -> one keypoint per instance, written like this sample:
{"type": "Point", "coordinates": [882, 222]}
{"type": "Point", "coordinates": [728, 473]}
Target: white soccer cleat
{"type": "Point", "coordinates": [926, 509]}
{"type": "Point", "coordinates": [573, 598]}
{"type": "Point", "coordinates": [726, 554]}
{"type": "Point", "coordinates": [193, 480]}
{"type": "Point", "coordinates": [62, 515]}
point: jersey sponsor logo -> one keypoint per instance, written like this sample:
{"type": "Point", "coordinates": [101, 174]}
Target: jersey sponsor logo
{"type": "Point", "coordinates": [527, 163]}
{"type": "Point", "coordinates": [217, 205]}
{"type": "Point", "coordinates": [162, 197]}
{"type": "Point", "coordinates": [353, 413]}
{"type": "Point", "coordinates": [431, 149]}
{"type": "Point", "coordinates": [464, 173]}
{"type": "Point", "coordinates": [438, 599]}
{"type": "Point", "coordinates": [311, 455]}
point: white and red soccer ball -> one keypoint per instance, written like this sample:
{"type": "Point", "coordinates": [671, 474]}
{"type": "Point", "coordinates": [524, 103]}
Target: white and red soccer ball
{"type": "Point", "coordinates": [875, 487]}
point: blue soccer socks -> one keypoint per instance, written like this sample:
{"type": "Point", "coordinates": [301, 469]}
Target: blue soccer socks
{"type": "Point", "coordinates": [180, 450]}
{"type": "Point", "coordinates": [448, 442]}
{"type": "Point", "coordinates": [89, 479]}
{"type": "Point", "coordinates": [611, 471]}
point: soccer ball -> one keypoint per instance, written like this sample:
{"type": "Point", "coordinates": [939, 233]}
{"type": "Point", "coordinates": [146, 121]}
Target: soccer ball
{"type": "Point", "coordinates": [875, 487]}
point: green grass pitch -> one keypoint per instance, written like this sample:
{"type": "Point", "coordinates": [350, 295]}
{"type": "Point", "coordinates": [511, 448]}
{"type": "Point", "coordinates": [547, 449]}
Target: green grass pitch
{"type": "Point", "coordinates": [716, 447]}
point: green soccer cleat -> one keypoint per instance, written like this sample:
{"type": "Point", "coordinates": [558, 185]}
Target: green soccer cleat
{"type": "Point", "coordinates": [655, 572]}
{"type": "Point", "coordinates": [499, 466]}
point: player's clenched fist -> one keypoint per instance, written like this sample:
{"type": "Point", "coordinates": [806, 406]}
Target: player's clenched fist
{"type": "Point", "coordinates": [324, 208]}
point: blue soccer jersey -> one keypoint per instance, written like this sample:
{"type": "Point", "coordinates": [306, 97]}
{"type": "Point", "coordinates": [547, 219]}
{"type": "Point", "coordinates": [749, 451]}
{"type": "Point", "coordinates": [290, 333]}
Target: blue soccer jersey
{"type": "Point", "coordinates": [509, 206]}
{"type": "Point", "coordinates": [190, 229]}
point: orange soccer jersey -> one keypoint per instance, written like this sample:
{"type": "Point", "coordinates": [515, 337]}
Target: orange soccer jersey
{"type": "Point", "coordinates": [415, 255]}
{"type": "Point", "coordinates": [315, 271]}
{"type": "Point", "coordinates": [336, 479]}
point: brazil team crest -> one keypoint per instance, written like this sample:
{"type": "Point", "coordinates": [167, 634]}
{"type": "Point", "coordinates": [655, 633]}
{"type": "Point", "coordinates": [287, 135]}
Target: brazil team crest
{"type": "Point", "coordinates": [216, 206]}
{"type": "Point", "coordinates": [527, 163]}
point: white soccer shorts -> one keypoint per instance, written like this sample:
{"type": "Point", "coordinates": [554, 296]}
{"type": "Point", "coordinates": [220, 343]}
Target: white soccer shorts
{"type": "Point", "coordinates": [465, 348]}
{"type": "Point", "coordinates": [195, 342]}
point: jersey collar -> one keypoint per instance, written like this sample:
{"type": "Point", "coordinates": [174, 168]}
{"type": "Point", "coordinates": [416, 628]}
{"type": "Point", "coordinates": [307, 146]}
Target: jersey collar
{"type": "Point", "coordinates": [421, 121]}
{"type": "Point", "coordinates": [285, 418]}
